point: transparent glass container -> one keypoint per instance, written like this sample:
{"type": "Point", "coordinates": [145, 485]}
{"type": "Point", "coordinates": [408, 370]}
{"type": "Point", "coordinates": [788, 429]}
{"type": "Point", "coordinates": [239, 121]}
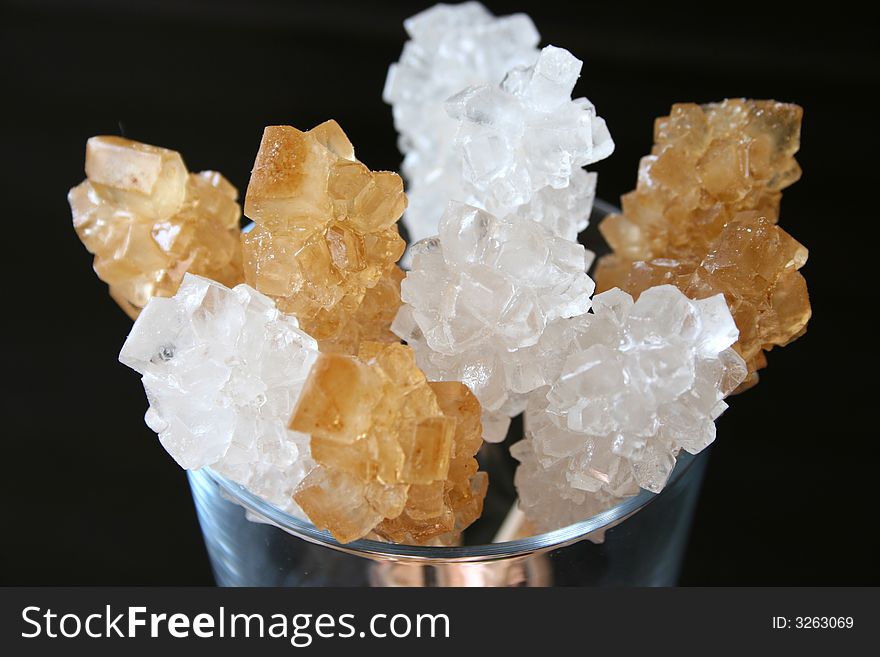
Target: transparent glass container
{"type": "Point", "coordinates": [251, 543]}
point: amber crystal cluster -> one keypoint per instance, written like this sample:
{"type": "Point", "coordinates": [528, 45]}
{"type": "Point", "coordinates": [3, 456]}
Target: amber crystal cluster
{"type": "Point", "coordinates": [395, 452]}
{"type": "Point", "coordinates": [703, 218]}
{"type": "Point", "coordinates": [148, 221]}
{"type": "Point", "coordinates": [325, 241]}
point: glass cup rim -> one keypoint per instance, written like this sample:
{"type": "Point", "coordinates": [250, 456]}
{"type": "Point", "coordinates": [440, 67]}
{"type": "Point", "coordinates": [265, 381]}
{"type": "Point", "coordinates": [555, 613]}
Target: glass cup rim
{"type": "Point", "coordinates": [572, 533]}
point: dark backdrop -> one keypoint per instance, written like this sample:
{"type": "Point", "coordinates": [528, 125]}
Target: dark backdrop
{"type": "Point", "coordinates": [88, 495]}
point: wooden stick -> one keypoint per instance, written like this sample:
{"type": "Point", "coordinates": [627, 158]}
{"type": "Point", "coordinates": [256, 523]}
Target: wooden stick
{"type": "Point", "coordinates": [514, 526]}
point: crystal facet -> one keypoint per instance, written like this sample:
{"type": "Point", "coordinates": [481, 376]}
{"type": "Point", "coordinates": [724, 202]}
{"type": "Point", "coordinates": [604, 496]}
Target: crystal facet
{"type": "Point", "coordinates": [642, 381]}
{"type": "Point", "coordinates": [223, 369]}
{"type": "Point", "coordinates": [325, 240]}
{"type": "Point", "coordinates": [395, 453]}
{"type": "Point", "coordinates": [703, 216]}
{"type": "Point", "coordinates": [148, 221]}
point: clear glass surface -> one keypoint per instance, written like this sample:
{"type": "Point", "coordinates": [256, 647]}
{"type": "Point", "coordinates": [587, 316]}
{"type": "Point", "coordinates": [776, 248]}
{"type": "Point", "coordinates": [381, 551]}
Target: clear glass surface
{"type": "Point", "coordinates": [251, 543]}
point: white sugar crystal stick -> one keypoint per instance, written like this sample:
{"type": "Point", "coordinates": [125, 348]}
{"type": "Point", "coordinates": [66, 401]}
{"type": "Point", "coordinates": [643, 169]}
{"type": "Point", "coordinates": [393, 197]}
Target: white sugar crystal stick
{"type": "Point", "coordinates": [641, 381]}
{"type": "Point", "coordinates": [451, 47]}
{"type": "Point", "coordinates": [223, 370]}
{"type": "Point", "coordinates": [487, 119]}
{"type": "Point", "coordinates": [488, 303]}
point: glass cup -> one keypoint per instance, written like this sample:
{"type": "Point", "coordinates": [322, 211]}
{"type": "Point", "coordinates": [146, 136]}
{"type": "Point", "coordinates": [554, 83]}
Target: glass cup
{"type": "Point", "coordinates": [252, 543]}
{"type": "Point", "coordinates": [639, 542]}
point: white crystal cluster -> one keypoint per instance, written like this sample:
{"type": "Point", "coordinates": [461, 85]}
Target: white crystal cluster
{"type": "Point", "coordinates": [223, 370]}
{"type": "Point", "coordinates": [494, 142]}
{"type": "Point", "coordinates": [641, 382]}
{"type": "Point", "coordinates": [451, 48]}
{"type": "Point", "coordinates": [527, 136]}
{"type": "Point", "coordinates": [487, 303]}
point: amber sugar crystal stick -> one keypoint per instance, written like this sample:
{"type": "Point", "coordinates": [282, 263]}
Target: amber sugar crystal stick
{"type": "Point", "coordinates": [394, 452]}
{"type": "Point", "coordinates": [325, 242]}
{"type": "Point", "coordinates": [703, 218]}
{"type": "Point", "coordinates": [148, 221]}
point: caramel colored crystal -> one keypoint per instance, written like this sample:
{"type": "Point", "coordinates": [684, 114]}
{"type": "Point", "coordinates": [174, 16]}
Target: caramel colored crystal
{"type": "Point", "coordinates": [703, 215]}
{"type": "Point", "coordinates": [148, 221]}
{"type": "Point", "coordinates": [325, 240]}
{"type": "Point", "coordinates": [708, 164]}
{"type": "Point", "coordinates": [371, 322]}
{"type": "Point", "coordinates": [395, 453]}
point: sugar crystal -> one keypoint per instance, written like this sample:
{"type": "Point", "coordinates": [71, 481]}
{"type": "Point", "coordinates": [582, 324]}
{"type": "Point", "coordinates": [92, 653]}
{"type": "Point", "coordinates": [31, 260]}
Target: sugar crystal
{"type": "Point", "coordinates": [223, 369]}
{"type": "Point", "coordinates": [641, 382]}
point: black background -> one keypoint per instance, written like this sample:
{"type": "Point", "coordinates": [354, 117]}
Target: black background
{"type": "Point", "coordinates": [89, 497]}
